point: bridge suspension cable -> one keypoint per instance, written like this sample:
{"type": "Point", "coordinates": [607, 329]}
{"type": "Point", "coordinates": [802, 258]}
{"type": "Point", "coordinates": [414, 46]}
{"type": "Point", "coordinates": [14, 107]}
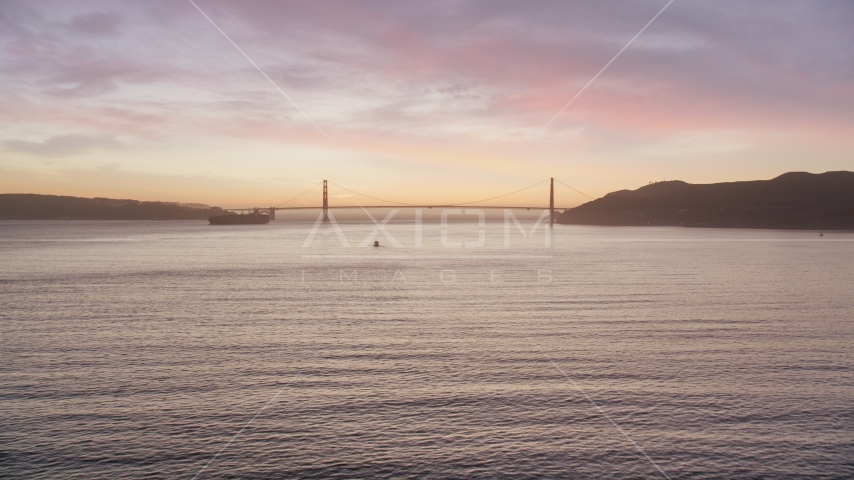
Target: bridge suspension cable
{"type": "Point", "coordinates": [292, 202]}
{"type": "Point", "coordinates": [347, 190]}
{"type": "Point", "coordinates": [574, 190]}
{"type": "Point", "coordinates": [502, 196]}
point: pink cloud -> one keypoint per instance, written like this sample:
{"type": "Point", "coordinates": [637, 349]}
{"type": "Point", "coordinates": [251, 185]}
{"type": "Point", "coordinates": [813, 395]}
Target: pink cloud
{"type": "Point", "coordinates": [456, 83]}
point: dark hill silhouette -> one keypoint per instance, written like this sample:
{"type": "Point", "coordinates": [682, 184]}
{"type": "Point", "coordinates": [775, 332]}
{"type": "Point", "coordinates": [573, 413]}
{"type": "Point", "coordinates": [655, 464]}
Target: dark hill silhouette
{"type": "Point", "coordinates": [28, 206]}
{"type": "Point", "coordinates": [796, 200]}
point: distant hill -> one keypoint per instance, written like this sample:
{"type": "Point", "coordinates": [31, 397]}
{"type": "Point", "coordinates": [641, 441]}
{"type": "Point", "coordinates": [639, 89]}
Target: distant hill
{"type": "Point", "coordinates": [795, 200]}
{"type": "Point", "coordinates": [28, 206]}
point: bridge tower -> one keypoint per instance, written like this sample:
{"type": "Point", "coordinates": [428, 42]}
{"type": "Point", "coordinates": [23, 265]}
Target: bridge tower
{"type": "Point", "coordinates": [325, 203]}
{"type": "Point", "coordinates": [551, 203]}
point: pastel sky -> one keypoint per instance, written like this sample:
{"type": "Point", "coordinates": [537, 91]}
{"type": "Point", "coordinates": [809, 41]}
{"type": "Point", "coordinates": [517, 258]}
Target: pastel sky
{"type": "Point", "coordinates": [424, 101]}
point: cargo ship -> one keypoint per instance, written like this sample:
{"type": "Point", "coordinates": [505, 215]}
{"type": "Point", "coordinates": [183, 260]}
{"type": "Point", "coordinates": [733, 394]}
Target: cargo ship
{"type": "Point", "coordinates": [254, 218]}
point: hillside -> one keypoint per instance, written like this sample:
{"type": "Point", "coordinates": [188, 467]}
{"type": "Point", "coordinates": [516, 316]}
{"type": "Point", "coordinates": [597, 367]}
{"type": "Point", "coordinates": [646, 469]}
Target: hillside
{"type": "Point", "coordinates": [27, 206]}
{"type": "Point", "coordinates": [795, 200]}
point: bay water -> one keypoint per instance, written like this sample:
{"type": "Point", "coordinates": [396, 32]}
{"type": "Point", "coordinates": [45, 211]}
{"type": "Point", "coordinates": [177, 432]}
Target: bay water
{"type": "Point", "coordinates": [291, 350]}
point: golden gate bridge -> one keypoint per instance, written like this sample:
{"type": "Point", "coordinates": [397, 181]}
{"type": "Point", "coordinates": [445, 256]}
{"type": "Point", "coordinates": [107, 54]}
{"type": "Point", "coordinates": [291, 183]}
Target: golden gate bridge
{"type": "Point", "coordinates": [326, 195]}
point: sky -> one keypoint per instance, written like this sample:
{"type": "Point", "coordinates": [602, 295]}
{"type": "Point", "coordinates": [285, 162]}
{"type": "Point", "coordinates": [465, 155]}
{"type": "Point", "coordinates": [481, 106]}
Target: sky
{"type": "Point", "coordinates": [416, 101]}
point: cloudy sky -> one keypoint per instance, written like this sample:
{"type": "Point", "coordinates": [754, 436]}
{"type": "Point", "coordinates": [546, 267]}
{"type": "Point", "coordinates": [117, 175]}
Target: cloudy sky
{"type": "Point", "coordinates": [417, 101]}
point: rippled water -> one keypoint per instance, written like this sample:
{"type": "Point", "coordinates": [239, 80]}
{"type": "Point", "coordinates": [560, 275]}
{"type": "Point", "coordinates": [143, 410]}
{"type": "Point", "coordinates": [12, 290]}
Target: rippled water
{"type": "Point", "coordinates": [134, 349]}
